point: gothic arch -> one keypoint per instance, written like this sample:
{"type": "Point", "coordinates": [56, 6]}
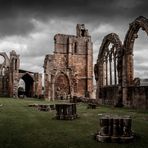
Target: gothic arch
{"type": "Point", "coordinates": [108, 69]}
{"type": "Point", "coordinates": [110, 38]}
{"type": "Point", "coordinates": [6, 61]}
{"type": "Point", "coordinates": [29, 84]}
{"type": "Point", "coordinates": [106, 56]}
{"type": "Point", "coordinates": [140, 22]}
{"type": "Point", "coordinates": [61, 86]}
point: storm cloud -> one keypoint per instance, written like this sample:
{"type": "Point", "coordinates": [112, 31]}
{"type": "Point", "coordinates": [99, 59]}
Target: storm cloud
{"type": "Point", "coordinates": [28, 26]}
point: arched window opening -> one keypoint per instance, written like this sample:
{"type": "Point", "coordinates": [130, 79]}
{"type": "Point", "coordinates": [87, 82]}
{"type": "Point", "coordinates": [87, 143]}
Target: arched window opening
{"type": "Point", "coordinates": [140, 53]}
{"type": "Point", "coordinates": [110, 66]}
{"type": "Point", "coordinates": [28, 80]}
{"type": "Point", "coordinates": [22, 83]}
{"type": "Point", "coordinates": [75, 48]}
{"type": "Point", "coordinates": [82, 32]}
{"type": "Point", "coordinates": [2, 59]}
{"type": "Point", "coordinates": [15, 64]}
{"type": "Point", "coordinates": [3, 71]}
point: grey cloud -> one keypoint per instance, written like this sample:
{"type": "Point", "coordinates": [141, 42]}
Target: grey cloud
{"type": "Point", "coordinates": [141, 68]}
{"type": "Point", "coordinates": [16, 20]}
{"type": "Point", "coordinates": [87, 11]}
{"type": "Point", "coordinates": [140, 59]}
{"type": "Point", "coordinates": [17, 26]}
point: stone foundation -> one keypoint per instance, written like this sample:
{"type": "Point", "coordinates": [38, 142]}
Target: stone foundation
{"type": "Point", "coordinates": [115, 129]}
{"type": "Point", "coordinates": [66, 111]}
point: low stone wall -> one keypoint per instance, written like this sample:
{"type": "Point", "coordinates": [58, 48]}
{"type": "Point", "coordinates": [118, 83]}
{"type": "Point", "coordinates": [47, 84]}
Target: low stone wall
{"type": "Point", "coordinates": [137, 97]}
{"type": "Point", "coordinates": [108, 95]}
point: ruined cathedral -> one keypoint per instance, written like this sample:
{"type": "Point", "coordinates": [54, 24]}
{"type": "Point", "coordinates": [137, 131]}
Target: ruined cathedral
{"type": "Point", "coordinates": [68, 71]}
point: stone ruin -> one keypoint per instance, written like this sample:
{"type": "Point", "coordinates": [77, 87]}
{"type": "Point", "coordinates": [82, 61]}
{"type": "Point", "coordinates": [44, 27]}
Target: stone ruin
{"type": "Point", "coordinates": [69, 71]}
{"type": "Point", "coordinates": [66, 111]}
{"type": "Point", "coordinates": [10, 75]}
{"type": "Point", "coordinates": [9, 69]}
{"type": "Point", "coordinates": [114, 70]}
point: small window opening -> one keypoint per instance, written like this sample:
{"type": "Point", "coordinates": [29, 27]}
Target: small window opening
{"type": "Point", "coordinates": [82, 32]}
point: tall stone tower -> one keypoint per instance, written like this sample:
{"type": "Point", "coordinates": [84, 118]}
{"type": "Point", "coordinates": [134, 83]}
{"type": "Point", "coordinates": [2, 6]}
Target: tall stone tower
{"type": "Point", "coordinates": [69, 71]}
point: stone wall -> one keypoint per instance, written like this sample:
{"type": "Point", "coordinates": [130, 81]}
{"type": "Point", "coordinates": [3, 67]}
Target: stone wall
{"type": "Point", "coordinates": [37, 84]}
{"type": "Point", "coordinates": [108, 95]}
{"type": "Point", "coordinates": [137, 97]}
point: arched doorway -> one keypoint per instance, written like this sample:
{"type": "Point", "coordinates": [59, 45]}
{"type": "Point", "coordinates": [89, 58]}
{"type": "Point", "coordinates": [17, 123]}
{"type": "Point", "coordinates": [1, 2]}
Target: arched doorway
{"type": "Point", "coordinates": [28, 84]}
{"type": "Point", "coordinates": [61, 87]}
{"type": "Point", "coordinates": [21, 88]}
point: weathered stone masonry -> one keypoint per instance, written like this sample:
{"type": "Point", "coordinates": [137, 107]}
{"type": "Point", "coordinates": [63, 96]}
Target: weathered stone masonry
{"type": "Point", "coordinates": [69, 71]}
{"type": "Point", "coordinates": [126, 89]}
{"type": "Point", "coordinates": [10, 75]}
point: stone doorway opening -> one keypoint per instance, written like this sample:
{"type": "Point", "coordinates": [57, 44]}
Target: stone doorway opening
{"type": "Point", "coordinates": [27, 78]}
{"type": "Point", "coordinates": [61, 87]}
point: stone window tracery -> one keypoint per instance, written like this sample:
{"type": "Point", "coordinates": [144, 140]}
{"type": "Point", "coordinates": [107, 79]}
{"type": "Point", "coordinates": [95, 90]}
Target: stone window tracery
{"type": "Point", "coordinates": [108, 59]}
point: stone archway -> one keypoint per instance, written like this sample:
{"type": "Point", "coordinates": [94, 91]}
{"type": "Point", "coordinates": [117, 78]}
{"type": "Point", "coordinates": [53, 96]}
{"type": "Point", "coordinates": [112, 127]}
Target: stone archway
{"type": "Point", "coordinates": [61, 86]}
{"type": "Point", "coordinates": [128, 60]}
{"type": "Point", "coordinates": [140, 22]}
{"type": "Point", "coordinates": [28, 84]}
{"type": "Point", "coordinates": [108, 69]}
{"type": "Point", "coordinates": [4, 74]}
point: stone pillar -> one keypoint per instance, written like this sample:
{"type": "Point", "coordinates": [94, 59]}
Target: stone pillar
{"type": "Point", "coordinates": [110, 65]}
{"type": "Point", "coordinates": [38, 84]}
{"type": "Point", "coordinates": [115, 72]}
{"type": "Point", "coordinates": [127, 75]}
{"type": "Point", "coordinates": [14, 74]}
{"type": "Point", "coordinates": [89, 68]}
{"type": "Point", "coordinates": [130, 68]}
{"type": "Point", "coordinates": [46, 87]}
{"type": "Point", "coordinates": [106, 71]}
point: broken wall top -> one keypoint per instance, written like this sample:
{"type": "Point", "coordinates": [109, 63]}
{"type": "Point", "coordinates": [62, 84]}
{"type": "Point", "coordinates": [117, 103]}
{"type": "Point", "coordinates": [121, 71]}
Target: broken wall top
{"type": "Point", "coordinates": [72, 43]}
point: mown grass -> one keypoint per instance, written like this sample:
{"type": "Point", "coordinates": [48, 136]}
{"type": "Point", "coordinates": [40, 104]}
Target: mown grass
{"type": "Point", "coordinates": [26, 127]}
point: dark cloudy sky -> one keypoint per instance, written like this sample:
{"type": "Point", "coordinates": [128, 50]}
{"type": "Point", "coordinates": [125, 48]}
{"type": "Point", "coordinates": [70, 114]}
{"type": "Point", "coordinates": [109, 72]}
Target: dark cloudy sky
{"type": "Point", "coordinates": [28, 26]}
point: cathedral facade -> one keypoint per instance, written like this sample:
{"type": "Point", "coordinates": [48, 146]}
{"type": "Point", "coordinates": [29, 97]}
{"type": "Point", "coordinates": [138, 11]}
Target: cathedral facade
{"type": "Point", "coordinates": [68, 71]}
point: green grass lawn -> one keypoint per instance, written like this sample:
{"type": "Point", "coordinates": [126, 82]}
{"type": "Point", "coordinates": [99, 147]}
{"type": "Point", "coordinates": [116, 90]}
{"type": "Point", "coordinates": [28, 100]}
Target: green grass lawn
{"type": "Point", "coordinates": [26, 127]}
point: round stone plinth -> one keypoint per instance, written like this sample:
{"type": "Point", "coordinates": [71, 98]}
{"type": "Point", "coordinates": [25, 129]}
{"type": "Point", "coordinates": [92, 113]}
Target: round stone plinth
{"type": "Point", "coordinates": [126, 139]}
{"type": "Point", "coordinates": [101, 138]}
{"type": "Point", "coordinates": [115, 139]}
